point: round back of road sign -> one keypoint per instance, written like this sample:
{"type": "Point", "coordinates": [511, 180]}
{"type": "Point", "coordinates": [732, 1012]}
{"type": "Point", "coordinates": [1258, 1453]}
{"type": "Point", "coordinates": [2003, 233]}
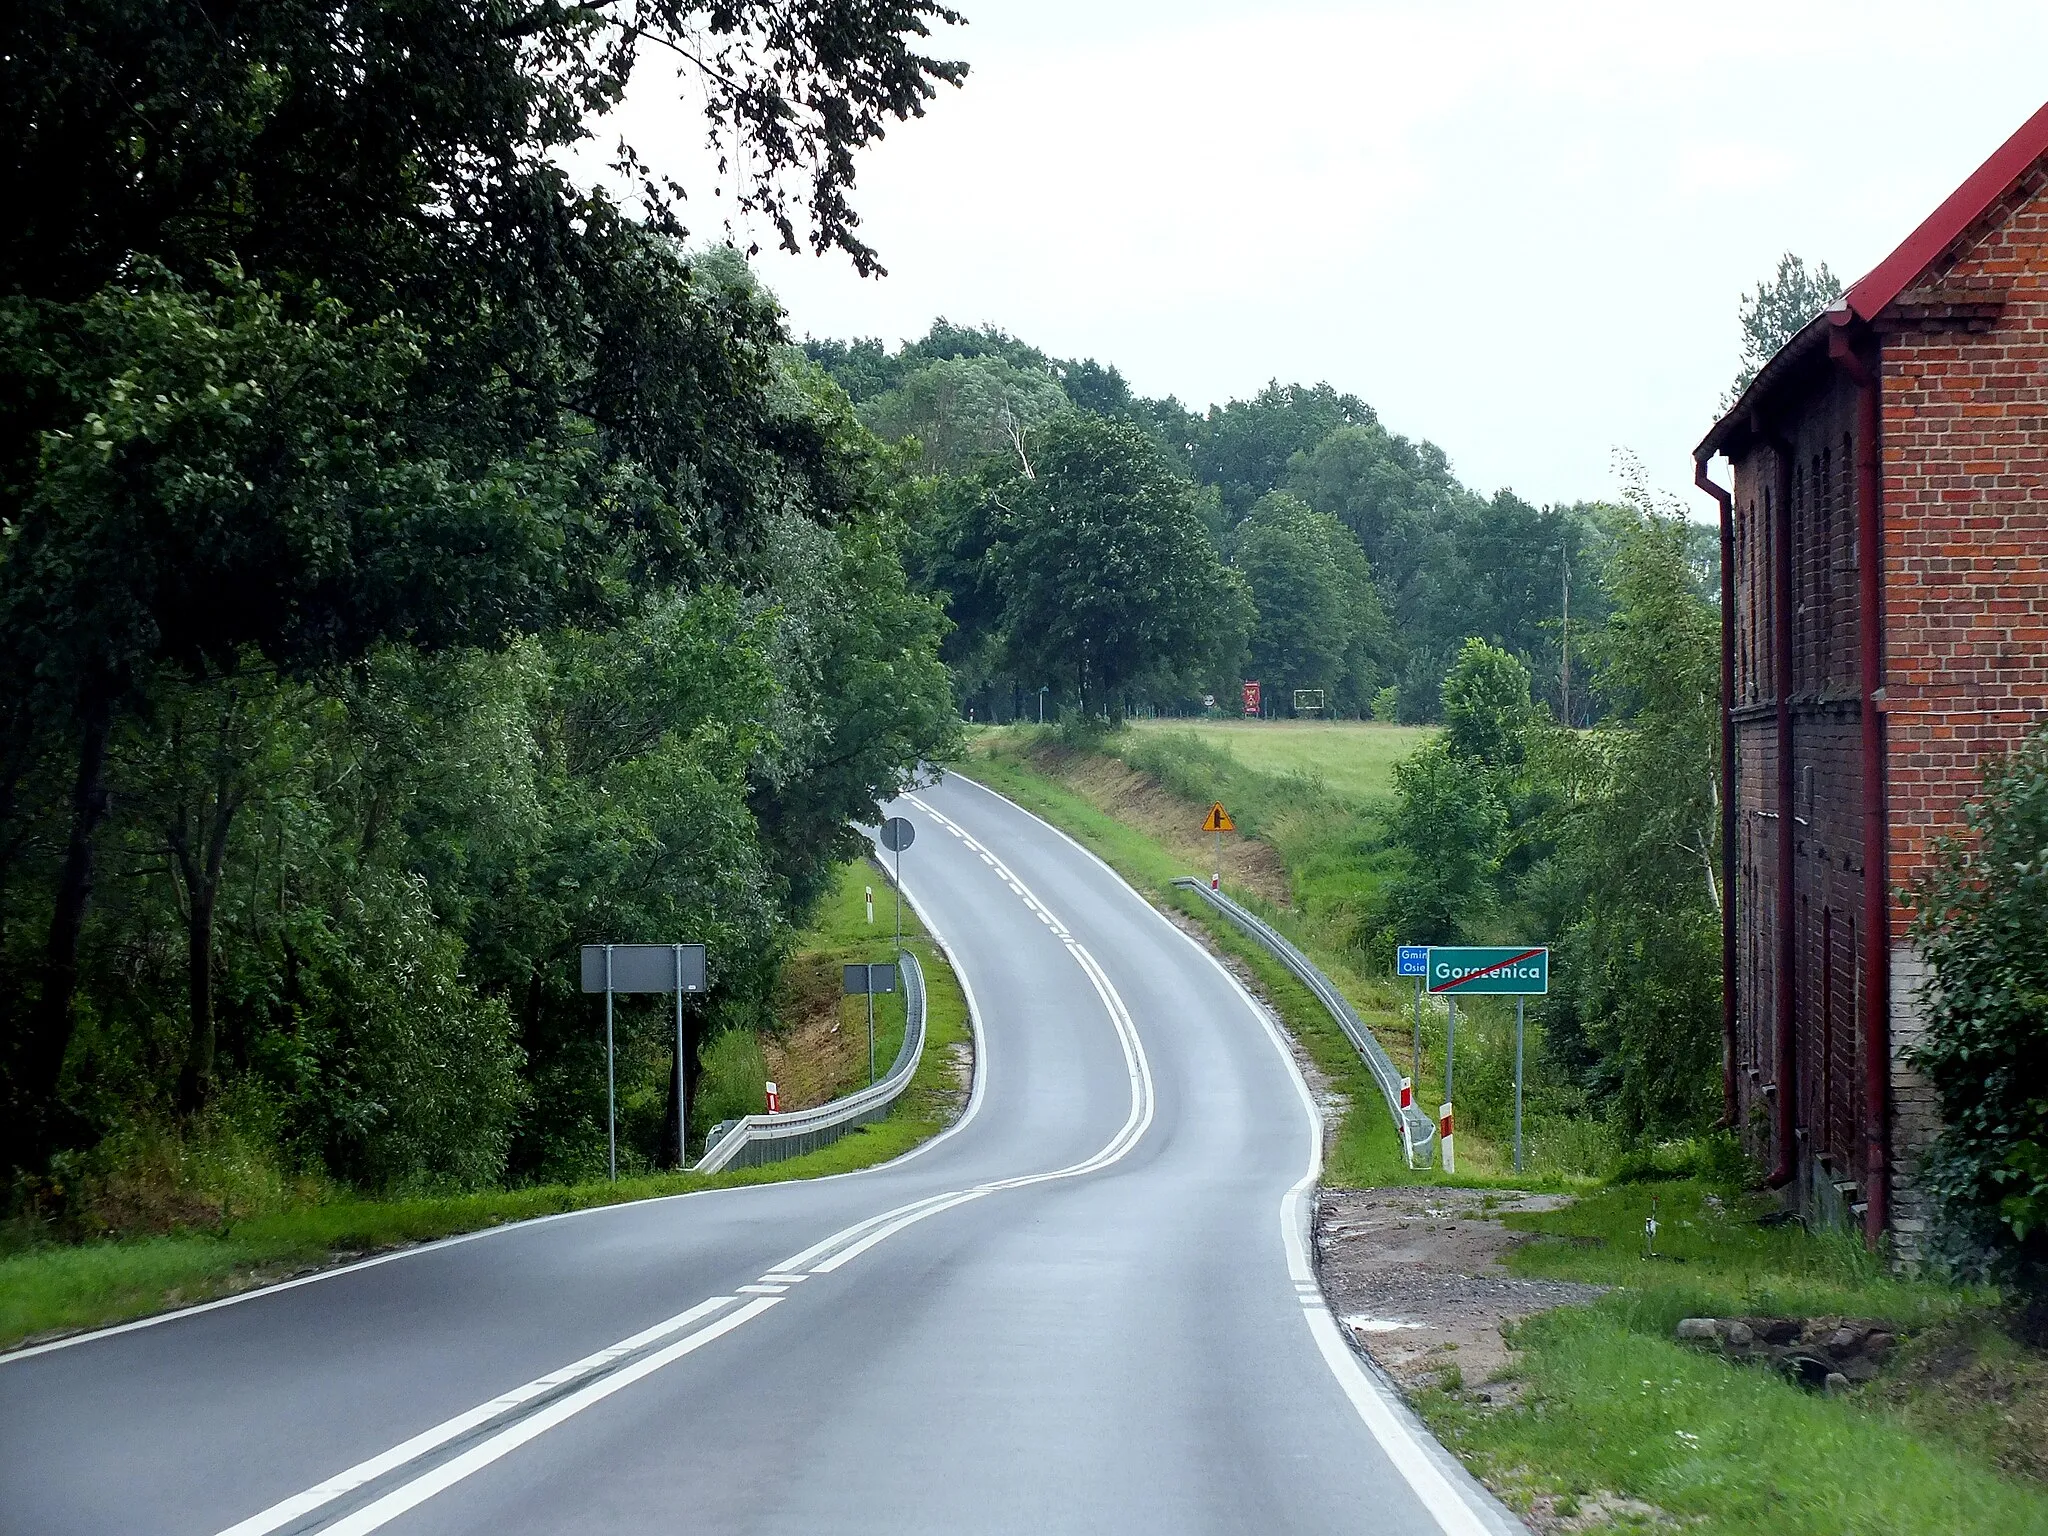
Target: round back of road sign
{"type": "Point", "coordinates": [897, 834]}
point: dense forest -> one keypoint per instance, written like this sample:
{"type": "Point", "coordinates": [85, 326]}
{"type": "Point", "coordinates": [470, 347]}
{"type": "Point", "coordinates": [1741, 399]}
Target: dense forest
{"type": "Point", "coordinates": [417, 565]}
{"type": "Point", "coordinates": [1290, 538]}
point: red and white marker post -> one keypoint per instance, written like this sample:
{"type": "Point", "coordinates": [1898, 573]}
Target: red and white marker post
{"type": "Point", "coordinates": [1407, 1094]}
{"type": "Point", "coordinates": [1443, 1132]}
{"type": "Point", "coordinates": [774, 1100]}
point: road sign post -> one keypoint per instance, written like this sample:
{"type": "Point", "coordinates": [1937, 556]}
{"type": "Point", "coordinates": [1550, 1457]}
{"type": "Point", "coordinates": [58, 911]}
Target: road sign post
{"type": "Point", "coordinates": [866, 981]}
{"type": "Point", "coordinates": [1218, 821]}
{"type": "Point", "coordinates": [897, 835]}
{"type": "Point", "coordinates": [1413, 960]}
{"type": "Point", "coordinates": [1519, 1001]}
{"type": "Point", "coordinates": [614, 968]}
{"type": "Point", "coordinates": [1518, 970]}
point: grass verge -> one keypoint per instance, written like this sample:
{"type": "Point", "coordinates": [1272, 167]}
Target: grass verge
{"type": "Point", "coordinates": [50, 1289]}
{"type": "Point", "coordinates": [1611, 1409]}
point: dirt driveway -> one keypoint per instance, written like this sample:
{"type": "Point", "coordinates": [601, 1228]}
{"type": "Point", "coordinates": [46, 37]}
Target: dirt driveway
{"type": "Point", "coordinates": [1414, 1277]}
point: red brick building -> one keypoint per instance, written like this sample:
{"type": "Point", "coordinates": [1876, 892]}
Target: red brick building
{"type": "Point", "coordinates": [1884, 594]}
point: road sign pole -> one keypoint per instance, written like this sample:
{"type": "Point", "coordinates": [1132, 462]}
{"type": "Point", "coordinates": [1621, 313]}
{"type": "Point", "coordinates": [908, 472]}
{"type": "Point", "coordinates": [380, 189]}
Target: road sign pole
{"type": "Point", "coordinates": [1416, 1072]}
{"type": "Point", "coordinates": [1450, 1046]}
{"type": "Point", "coordinates": [871, 1027]}
{"type": "Point", "coordinates": [1518, 1083]}
{"type": "Point", "coordinates": [899, 906]}
{"type": "Point", "coordinates": [682, 1074]}
{"type": "Point", "coordinates": [611, 1075]}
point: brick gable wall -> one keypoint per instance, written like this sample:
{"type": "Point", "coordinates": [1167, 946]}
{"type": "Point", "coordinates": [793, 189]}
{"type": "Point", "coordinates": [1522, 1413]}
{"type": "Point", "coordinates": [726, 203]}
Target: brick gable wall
{"type": "Point", "coordinates": [1965, 439]}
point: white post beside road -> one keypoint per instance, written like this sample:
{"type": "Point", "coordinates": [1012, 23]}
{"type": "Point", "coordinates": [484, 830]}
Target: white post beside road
{"type": "Point", "coordinates": [1443, 1135]}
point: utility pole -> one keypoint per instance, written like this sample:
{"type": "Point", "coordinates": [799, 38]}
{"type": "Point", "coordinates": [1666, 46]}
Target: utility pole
{"type": "Point", "coordinates": [1565, 646]}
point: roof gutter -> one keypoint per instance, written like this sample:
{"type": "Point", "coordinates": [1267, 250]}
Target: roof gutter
{"type": "Point", "coordinates": [1726, 499]}
{"type": "Point", "coordinates": [1875, 1022]}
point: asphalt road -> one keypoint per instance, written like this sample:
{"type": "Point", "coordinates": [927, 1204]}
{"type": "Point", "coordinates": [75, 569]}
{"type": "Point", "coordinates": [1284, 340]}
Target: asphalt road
{"type": "Point", "coordinates": [1088, 1307]}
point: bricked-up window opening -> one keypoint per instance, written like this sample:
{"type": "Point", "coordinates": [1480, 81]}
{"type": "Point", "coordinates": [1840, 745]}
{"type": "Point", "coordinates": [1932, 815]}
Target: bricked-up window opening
{"type": "Point", "coordinates": [1767, 600]}
{"type": "Point", "coordinates": [1824, 569]}
{"type": "Point", "coordinates": [1854, 1053]}
{"type": "Point", "coordinates": [1801, 532]}
{"type": "Point", "coordinates": [1745, 681]}
{"type": "Point", "coordinates": [1827, 1027]}
{"type": "Point", "coordinates": [1849, 555]}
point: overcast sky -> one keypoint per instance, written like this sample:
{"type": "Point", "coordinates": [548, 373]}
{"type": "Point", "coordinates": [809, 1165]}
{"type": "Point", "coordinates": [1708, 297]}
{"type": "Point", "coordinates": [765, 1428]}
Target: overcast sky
{"type": "Point", "coordinates": [1518, 230]}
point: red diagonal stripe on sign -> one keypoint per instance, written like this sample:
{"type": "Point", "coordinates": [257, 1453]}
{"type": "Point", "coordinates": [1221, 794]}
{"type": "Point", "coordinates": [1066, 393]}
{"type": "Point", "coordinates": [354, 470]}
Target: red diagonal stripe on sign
{"type": "Point", "coordinates": [1498, 965]}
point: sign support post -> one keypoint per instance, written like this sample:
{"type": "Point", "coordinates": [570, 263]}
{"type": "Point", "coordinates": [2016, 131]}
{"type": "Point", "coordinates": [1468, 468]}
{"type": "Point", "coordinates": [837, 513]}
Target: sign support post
{"type": "Point", "coordinates": [897, 834]}
{"type": "Point", "coordinates": [1450, 1047]}
{"type": "Point", "coordinates": [683, 1078]}
{"type": "Point", "coordinates": [1218, 821]}
{"type": "Point", "coordinates": [1416, 1070]}
{"type": "Point", "coordinates": [1517, 971]}
{"type": "Point", "coordinates": [611, 1073]}
{"type": "Point", "coordinates": [867, 980]}
{"type": "Point", "coordinates": [615, 968]}
{"type": "Point", "coordinates": [1519, 1001]}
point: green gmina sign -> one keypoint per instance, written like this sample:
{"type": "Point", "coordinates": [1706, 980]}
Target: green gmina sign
{"type": "Point", "coordinates": [1516, 970]}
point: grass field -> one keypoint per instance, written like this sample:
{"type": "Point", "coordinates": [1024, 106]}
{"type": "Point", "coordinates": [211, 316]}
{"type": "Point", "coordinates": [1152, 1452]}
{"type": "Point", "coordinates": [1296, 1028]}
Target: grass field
{"type": "Point", "coordinates": [51, 1288]}
{"type": "Point", "coordinates": [1353, 759]}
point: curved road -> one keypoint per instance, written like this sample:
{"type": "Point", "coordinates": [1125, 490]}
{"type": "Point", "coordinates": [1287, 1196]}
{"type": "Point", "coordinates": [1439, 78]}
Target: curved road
{"type": "Point", "coordinates": [1088, 1307]}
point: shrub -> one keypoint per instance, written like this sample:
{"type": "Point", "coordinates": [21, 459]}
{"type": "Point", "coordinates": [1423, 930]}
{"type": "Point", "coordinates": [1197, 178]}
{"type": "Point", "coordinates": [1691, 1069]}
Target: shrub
{"type": "Point", "coordinates": [1981, 921]}
{"type": "Point", "coordinates": [419, 1074]}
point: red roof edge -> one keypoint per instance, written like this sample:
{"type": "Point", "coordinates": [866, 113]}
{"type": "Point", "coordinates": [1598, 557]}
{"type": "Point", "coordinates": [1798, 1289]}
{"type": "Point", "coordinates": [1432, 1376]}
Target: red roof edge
{"type": "Point", "coordinates": [1986, 185]}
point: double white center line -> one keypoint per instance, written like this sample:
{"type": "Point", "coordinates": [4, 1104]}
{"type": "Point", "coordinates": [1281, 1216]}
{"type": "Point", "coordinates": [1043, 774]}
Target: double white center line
{"type": "Point", "coordinates": [531, 1410]}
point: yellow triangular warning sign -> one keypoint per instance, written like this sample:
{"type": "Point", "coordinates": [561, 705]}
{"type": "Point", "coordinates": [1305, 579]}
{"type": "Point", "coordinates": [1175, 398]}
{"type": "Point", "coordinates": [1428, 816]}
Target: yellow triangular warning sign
{"type": "Point", "coordinates": [1219, 820]}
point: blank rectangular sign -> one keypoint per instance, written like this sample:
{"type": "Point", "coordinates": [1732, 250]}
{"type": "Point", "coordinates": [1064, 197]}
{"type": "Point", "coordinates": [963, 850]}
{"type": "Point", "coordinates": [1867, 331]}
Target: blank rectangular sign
{"type": "Point", "coordinates": [870, 978]}
{"type": "Point", "coordinates": [644, 967]}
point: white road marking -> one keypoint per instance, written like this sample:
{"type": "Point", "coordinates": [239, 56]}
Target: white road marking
{"type": "Point", "coordinates": [288, 1510]}
{"type": "Point", "coordinates": [857, 1239]}
{"type": "Point", "coordinates": [410, 1495]}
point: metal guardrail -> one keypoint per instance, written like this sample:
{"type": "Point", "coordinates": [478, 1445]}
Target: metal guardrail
{"type": "Point", "coordinates": [1418, 1131]}
{"type": "Point", "coordinates": [755, 1139]}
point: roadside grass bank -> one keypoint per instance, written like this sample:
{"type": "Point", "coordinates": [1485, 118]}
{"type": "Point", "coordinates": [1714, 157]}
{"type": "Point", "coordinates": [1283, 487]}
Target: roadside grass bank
{"type": "Point", "coordinates": [1611, 1425]}
{"type": "Point", "coordinates": [1136, 800]}
{"type": "Point", "coordinates": [49, 1288]}
{"type": "Point", "coordinates": [1610, 1409]}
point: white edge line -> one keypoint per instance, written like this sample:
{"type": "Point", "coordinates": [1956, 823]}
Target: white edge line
{"type": "Point", "coordinates": [974, 1099]}
{"type": "Point", "coordinates": [1414, 1452]}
